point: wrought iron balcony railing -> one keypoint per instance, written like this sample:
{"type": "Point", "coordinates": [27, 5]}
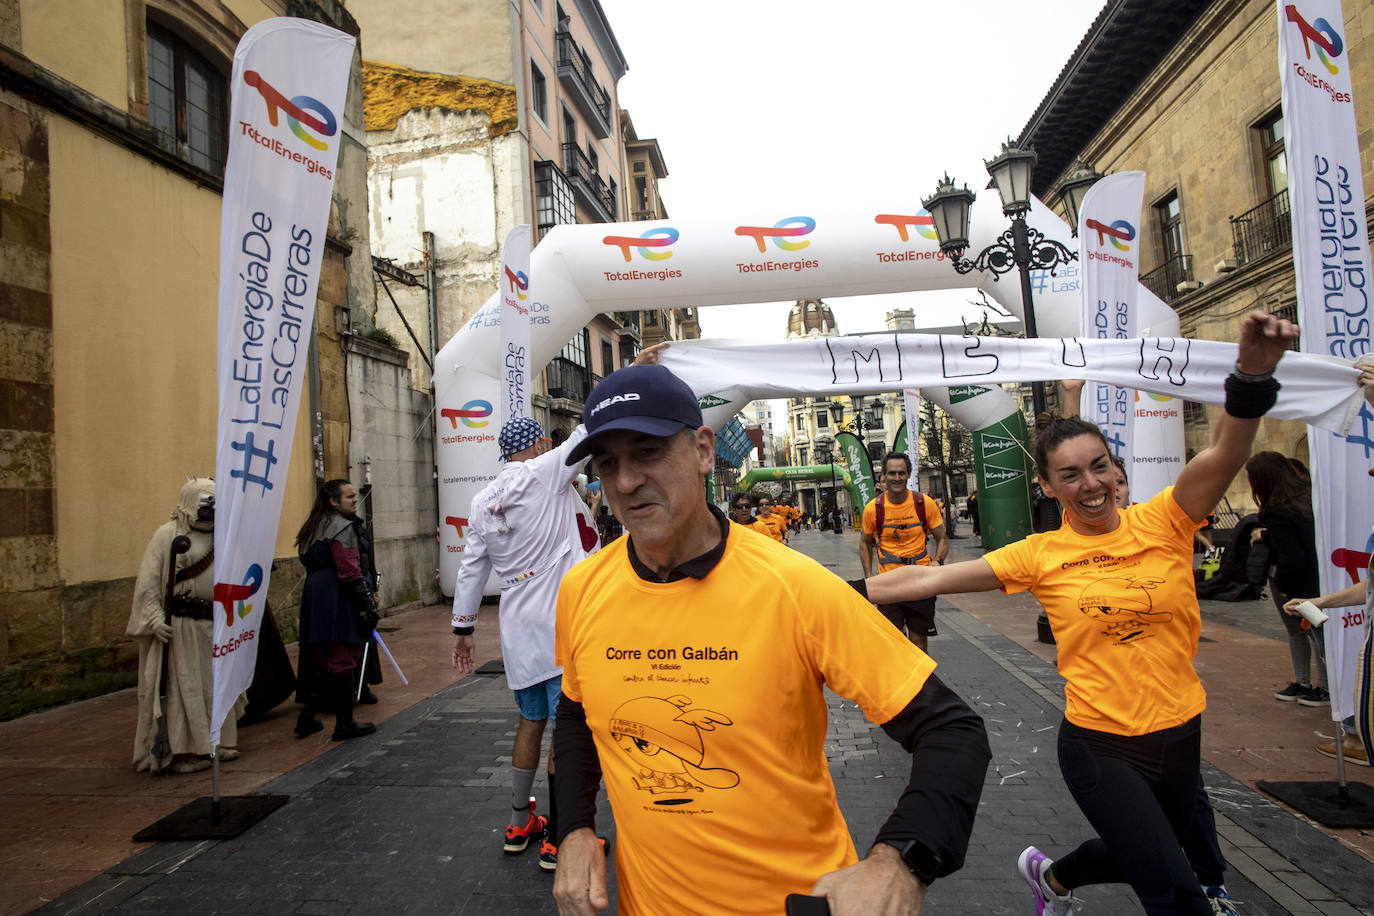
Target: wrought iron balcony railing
{"type": "Point", "coordinates": [1164, 280]}
{"type": "Point", "coordinates": [575, 72]}
{"type": "Point", "coordinates": [566, 379]}
{"type": "Point", "coordinates": [588, 185]}
{"type": "Point", "coordinates": [1265, 228]}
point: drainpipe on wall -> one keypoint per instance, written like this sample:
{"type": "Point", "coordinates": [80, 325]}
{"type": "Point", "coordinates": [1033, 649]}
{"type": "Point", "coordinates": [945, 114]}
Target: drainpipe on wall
{"type": "Point", "coordinates": [431, 299]}
{"type": "Point", "coordinates": [316, 418]}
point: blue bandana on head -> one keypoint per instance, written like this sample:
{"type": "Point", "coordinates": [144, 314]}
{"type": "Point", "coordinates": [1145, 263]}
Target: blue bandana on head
{"type": "Point", "coordinates": [517, 435]}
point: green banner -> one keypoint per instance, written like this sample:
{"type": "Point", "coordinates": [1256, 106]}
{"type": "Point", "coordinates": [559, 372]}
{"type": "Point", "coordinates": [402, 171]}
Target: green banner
{"type": "Point", "coordinates": [862, 489]}
{"type": "Point", "coordinates": [1004, 481]}
{"type": "Point", "coordinates": [899, 440]}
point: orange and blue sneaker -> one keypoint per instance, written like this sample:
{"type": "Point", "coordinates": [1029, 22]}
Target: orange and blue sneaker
{"type": "Point", "coordinates": [518, 838]}
{"type": "Point", "coordinates": [548, 856]}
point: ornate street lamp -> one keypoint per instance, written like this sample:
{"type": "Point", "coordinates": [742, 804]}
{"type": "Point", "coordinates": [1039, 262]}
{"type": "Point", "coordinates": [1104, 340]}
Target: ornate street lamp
{"type": "Point", "coordinates": [1074, 188]}
{"type": "Point", "coordinates": [1020, 246]}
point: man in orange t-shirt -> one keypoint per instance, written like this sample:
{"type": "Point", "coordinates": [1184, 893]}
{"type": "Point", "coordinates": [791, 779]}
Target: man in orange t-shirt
{"type": "Point", "coordinates": [720, 787]}
{"type": "Point", "coordinates": [902, 542]}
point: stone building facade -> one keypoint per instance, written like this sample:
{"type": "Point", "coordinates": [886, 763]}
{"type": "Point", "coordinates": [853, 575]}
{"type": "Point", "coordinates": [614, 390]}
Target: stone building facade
{"type": "Point", "coordinates": [1189, 91]}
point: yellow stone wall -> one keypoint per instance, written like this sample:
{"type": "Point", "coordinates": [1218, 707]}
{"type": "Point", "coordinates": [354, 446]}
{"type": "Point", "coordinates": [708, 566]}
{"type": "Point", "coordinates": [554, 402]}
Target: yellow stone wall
{"type": "Point", "coordinates": [92, 56]}
{"type": "Point", "coordinates": [135, 269]}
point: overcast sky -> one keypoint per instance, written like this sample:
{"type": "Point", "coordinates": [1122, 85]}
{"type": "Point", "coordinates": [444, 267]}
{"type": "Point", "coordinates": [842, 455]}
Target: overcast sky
{"type": "Point", "coordinates": [801, 102]}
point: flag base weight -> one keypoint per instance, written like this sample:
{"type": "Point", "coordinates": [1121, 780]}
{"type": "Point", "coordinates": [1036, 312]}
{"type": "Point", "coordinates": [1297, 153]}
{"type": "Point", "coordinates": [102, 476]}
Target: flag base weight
{"type": "Point", "coordinates": [204, 819]}
{"type": "Point", "coordinates": [1326, 802]}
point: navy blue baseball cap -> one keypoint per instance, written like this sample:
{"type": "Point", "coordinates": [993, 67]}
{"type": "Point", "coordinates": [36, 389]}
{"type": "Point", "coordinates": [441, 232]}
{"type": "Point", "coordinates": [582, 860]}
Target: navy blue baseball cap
{"type": "Point", "coordinates": [644, 399]}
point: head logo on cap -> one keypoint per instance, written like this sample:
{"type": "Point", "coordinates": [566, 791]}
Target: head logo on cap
{"type": "Point", "coordinates": [615, 399]}
{"type": "Point", "coordinates": [643, 399]}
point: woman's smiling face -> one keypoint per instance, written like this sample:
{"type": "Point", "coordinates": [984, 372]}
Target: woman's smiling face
{"type": "Point", "coordinates": [1083, 479]}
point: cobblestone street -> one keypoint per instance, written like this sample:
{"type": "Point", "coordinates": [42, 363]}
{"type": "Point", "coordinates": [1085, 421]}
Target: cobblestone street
{"type": "Point", "coordinates": [409, 820]}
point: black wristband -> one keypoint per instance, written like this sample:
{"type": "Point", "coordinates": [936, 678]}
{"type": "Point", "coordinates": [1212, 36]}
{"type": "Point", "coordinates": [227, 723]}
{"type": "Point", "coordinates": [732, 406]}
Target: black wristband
{"type": "Point", "coordinates": [860, 586]}
{"type": "Point", "coordinates": [919, 859]}
{"type": "Point", "coordinates": [463, 631]}
{"type": "Point", "coordinates": [1249, 399]}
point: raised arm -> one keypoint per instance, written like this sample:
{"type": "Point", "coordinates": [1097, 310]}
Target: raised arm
{"type": "Point", "coordinates": [1072, 391]}
{"type": "Point", "coordinates": [913, 583]}
{"type": "Point", "coordinates": [1250, 392]}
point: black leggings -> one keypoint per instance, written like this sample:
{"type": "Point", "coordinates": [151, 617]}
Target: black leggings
{"type": "Point", "coordinates": [1139, 793]}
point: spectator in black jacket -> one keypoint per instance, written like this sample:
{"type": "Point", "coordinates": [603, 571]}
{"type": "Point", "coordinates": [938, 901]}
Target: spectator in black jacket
{"type": "Point", "coordinates": [1286, 528]}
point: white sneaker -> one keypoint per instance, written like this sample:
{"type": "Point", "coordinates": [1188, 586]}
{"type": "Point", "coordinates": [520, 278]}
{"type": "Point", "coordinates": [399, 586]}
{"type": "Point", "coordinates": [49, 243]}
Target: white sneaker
{"type": "Point", "coordinates": [1032, 865]}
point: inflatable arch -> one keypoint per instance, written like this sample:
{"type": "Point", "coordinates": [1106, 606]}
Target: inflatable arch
{"type": "Point", "coordinates": [829, 472]}
{"type": "Point", "coordinates": [578, 271]}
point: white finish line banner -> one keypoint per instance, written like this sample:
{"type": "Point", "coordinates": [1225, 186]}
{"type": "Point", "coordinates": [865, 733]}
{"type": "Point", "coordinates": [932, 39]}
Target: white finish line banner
{"type": "Point", "coordinates": [1319, 389]}
{"type": "Point", "coordinates": [289, 82]}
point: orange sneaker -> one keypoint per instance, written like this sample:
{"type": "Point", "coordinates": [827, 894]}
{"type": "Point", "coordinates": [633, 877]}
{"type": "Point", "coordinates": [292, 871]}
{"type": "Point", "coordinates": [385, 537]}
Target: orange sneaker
{"type": "Point", "coordinates": [548, 856]}
{"type": "Point", "coordinates": [518, 838]}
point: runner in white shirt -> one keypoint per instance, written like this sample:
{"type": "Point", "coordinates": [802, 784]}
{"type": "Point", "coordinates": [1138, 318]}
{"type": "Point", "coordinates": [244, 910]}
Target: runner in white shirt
{"type": "Point", "coordinates": [529, 527]}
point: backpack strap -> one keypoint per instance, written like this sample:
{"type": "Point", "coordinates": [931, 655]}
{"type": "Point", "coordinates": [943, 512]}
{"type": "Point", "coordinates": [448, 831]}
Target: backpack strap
{"type": "Point", "coordinates": [920, 510]}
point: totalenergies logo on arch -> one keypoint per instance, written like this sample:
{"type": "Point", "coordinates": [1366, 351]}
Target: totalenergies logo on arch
{"type": "Point", "coordinates": [1320, 33]}
{"type": "Point", "coordinates": [473, 414]}
{"type": "Point", "coordinates": [652, 245]}
{"type": "Point", "coordinates": [1120, 233]}
{"type": "Point", "coordinates": [1152, 396]}
{"type": "Point", "coordinates": [304, 114]}
{"type": "Point", "coordinates": [921, 221]}
{"type": "Point", "coordinates": [781, 232]}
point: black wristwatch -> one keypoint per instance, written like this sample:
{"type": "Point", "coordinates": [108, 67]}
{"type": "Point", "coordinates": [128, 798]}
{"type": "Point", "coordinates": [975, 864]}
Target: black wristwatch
{"type": "Point", "coordinates": [920, 859]}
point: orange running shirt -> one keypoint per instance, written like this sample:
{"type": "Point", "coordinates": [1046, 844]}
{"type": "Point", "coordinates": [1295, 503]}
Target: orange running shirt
{"type": "Point", "coordinates": [706, 701]}
{"type": "Point", "coordinates": [903, 534]}
{"type": "Point", "coordinates": [1124, 612]}
{"type": "Point", "coordinates": [771, 526]}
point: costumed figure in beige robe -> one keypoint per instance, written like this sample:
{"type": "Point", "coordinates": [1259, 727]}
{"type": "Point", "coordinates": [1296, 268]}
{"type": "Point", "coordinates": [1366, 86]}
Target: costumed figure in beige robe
{"type": "Point", "coordinates": [187, 633]}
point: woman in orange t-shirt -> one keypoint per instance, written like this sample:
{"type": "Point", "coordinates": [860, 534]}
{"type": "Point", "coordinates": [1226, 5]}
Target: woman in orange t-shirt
{"type": "Point", "coordinates": [1117, 585]}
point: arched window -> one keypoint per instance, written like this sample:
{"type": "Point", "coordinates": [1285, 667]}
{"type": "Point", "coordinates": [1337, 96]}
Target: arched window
{"type": "Point", "coordinates": [187, 101]}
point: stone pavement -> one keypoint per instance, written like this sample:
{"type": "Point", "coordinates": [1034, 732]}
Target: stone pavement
{"type": "Point", "coordinates": [409, 820]}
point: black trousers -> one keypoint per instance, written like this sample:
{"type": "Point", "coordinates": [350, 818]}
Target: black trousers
{"type": "Point", "coordinates": [1140, 794]}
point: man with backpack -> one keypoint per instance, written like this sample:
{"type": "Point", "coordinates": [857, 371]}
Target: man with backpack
{"type": "Point", "coordinates": [898, 526]}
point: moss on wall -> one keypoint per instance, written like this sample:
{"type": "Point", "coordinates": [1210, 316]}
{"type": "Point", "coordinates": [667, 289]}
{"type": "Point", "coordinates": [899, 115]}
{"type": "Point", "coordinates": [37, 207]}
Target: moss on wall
{"type": "Point", "coordinates": [389, 92]}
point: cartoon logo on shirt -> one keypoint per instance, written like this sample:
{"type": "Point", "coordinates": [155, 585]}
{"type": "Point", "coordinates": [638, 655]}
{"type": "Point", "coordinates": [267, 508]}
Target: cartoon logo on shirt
{"type": "Point", "coordinates": [664, 738]}
{"type": "Point", "coordinates": [1124, 603]}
